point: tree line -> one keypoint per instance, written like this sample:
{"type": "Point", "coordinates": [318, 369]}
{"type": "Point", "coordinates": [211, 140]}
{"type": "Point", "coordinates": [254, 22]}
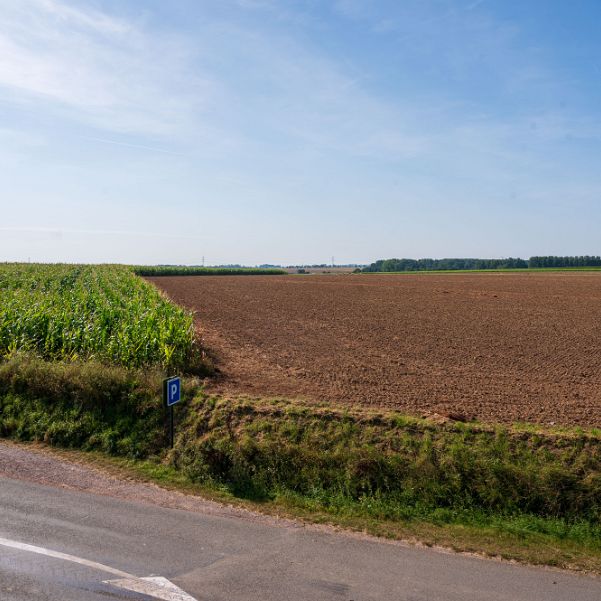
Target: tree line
{"type": "Point", "coordinates": [584, 261]}
{"type": "Point", "coordinates": [388, 265]}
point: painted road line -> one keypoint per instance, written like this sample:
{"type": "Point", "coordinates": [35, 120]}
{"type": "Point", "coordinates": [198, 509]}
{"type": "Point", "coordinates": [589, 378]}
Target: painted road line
{"type": "Point", "coordinates": [13, 544]}
{"type": "Point", "coordinates": [154, 586]}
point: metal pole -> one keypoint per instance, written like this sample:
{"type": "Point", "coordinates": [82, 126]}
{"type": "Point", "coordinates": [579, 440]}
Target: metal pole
{"type": "Point", "coordinates": [171, 425]}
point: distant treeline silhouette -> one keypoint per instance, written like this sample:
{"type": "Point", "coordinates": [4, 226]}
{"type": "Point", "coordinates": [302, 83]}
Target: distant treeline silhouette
{"type": "Point", "coordinates": [585, 261]}
{"type": "Point", "coordinates": [388, 265]}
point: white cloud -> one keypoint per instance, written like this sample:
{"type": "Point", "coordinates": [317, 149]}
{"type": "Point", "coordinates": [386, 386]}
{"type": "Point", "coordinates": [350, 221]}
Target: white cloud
{"type": "Point", "coordinates": [105, 71]}
{"type": "Point", "coordinates": [89, 18]}
{"type": "Point", "coordinates": [59, 232]}
{"type": "Point", "coordinates": [255, 91]}
{"type": "Point", "coordinates": [115, 74]}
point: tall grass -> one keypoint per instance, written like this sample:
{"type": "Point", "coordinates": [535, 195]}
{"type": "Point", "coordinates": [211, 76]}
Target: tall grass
{"type": "Point", "coordinates": [102, 312]}
{"type": "Point", "coordinates": [388, 465]}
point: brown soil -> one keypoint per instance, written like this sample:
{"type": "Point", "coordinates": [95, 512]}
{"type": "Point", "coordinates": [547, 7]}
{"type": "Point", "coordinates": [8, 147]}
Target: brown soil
{"type": "Point", "coordinates": [495, 347]}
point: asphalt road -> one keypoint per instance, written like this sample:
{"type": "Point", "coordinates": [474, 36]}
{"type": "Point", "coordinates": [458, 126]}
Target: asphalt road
{"type": "Point", "coordinates": [219, 557]}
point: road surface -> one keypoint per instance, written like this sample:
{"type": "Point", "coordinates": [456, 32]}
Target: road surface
{"type": "Point", "coordinates": [215, 553]}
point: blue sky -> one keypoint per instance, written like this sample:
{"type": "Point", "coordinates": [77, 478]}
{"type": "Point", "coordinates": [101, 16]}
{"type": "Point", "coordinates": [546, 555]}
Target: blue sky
{"type": "Point", "coordinates": [259, 131]}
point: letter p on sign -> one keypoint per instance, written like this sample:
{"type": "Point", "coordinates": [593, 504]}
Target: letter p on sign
{"type": "Point", "coordinates": [173, 396]}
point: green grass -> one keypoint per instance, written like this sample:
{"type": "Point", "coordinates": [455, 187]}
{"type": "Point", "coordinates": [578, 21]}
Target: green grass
{"type": "Point", "coordinates": [87, 405]}
{"type": "Point", "coordinates": [391, 466]}
{"type": "Point", "coordinates": [171, 270]}
{"type": "Point", "coordinates": [101, 312]}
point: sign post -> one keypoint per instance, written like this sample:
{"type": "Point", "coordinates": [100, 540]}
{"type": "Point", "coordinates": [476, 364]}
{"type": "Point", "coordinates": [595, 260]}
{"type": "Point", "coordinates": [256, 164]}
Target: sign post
{"type": "Point", "coordinates": [172, 394]}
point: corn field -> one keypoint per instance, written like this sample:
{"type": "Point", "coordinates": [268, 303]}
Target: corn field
{"type": "Point", "coordinates": [104, 312]}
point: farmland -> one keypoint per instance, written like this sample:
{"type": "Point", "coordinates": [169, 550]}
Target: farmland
{"type": "Point", "coordinates": [353, 359]}
{"type": "Point", "coordinates": [493, 347]}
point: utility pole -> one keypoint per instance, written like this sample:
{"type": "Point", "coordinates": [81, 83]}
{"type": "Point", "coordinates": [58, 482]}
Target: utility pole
{"type": "Point", "coordinates": [203, 261]}
{"type": "Point", "coordinates": [332, 261]}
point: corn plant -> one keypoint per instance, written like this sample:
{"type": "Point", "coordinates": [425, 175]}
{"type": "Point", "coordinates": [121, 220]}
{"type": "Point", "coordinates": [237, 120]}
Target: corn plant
{"type": "Point", "coordinates": [104, 312]}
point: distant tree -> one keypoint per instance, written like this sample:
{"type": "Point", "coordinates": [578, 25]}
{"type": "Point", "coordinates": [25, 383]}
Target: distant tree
{"type": "Point", "coordinates": [452, 264]}
{"type": "Point", "coordinates": [553, 261]}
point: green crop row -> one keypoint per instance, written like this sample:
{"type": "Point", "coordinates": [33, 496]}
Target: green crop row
{"type": "Point", "coordinates": [158, 270]}
{"type": "Point", "coordinates": [102, 312]}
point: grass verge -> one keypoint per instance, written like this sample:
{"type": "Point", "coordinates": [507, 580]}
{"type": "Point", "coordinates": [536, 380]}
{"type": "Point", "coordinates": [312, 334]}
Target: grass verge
{"type": "Point", "coordinates": [519, 492]}
{"type": "Point", "coordinates": [502, 540]}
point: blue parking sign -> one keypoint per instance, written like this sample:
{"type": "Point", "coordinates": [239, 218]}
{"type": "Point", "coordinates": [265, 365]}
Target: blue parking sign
{"type": "Point", "coordinates": [173, 391]}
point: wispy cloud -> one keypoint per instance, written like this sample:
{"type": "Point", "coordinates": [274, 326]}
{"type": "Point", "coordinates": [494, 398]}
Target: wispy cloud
{"type": "Point", "coordinates": [474, 4]}
{"type": "Point", "coordinates": [310, 102]}
{"type": "Point", "coordinates": [456, 38]}
{"type": "Point", "coordinates": [116, 74]}
{"type": "Point", "coordinates": [60, 232]}
{"type": "Point", "coordinates": [105, 71]}
{"type": "Point", "coordinates": [129, 145]}
{"type": "Point", "coordinates": [89, 18]}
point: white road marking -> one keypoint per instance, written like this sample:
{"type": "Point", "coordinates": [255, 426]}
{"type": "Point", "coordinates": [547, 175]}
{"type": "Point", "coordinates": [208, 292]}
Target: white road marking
{"type": "Point", "coordinates": [13, 544]}
{"type": "Point", "coordinates": [154, 586]}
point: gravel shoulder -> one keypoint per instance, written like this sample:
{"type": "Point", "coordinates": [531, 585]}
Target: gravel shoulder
{"type": "Point", "coordinates": [41, 465]}
{"type": "Point", "coordinates": [74, 471]}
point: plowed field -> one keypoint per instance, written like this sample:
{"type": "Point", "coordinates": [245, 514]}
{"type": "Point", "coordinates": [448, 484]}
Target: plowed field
{"type": "Point", "coordinates": [495, 347]}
